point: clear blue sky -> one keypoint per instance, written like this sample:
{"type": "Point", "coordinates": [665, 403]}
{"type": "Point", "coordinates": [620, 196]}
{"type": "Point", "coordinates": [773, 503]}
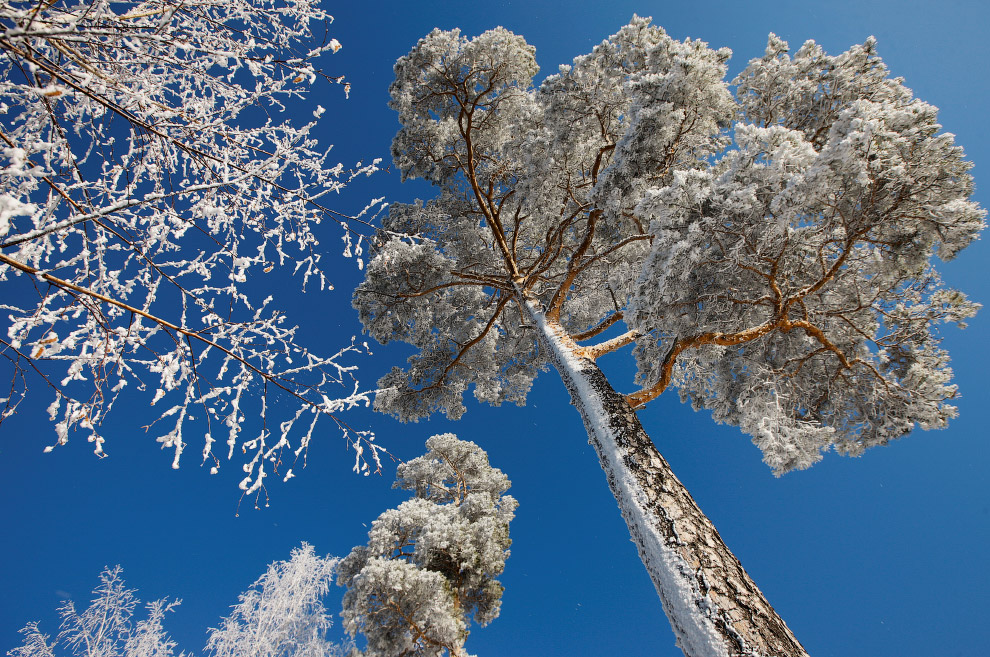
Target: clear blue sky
{"type": "Point", "coordinates": [880, 556]}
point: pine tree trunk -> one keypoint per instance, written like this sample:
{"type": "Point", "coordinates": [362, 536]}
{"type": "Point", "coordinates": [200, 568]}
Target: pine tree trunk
{"type": "Point", "coordinates": [714, 607]}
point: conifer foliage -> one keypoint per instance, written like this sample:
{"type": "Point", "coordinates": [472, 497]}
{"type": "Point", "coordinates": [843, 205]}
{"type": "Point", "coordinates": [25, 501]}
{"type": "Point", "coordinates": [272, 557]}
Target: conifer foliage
{"type": "Point", "coordinates": [781, 276]}
{"type": "Point", "coordinates": [430, 565]}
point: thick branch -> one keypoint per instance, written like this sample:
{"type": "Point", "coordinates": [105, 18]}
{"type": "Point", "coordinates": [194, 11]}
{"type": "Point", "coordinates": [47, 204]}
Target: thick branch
{"type": "Point", "coordinates": [602, 348]}
{"type": "Point", "coordinates": [642, 397]}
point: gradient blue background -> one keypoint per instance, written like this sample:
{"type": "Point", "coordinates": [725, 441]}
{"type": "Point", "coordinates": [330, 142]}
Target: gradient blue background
{"type": "Point", "coordinates": [880, 556]}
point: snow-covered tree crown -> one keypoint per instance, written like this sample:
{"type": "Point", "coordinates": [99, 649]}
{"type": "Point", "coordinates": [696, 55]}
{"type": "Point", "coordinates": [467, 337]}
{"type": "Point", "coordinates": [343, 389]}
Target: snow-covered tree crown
{"type": "Point", "coordinates": [147, 173]}
{"type": "Point", "coordinates": [430, 564]}
{"type": "Point", "coordinates": [803, 256]}
{"type": "Point", "coordinates": [281, 615]}
{"type": "Point", "coordinates": [519, 171]}
{"type": "Point", "coordinates": [778, 274]}
{"type": "Point", "coordinates": [106, 628]}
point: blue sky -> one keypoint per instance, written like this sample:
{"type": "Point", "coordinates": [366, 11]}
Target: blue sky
{"type": "Point", "coordinates": [883, 555]}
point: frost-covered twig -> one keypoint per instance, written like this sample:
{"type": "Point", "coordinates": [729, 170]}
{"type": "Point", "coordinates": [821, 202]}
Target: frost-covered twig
{"type": "Point", "coordinates": [146, 175]}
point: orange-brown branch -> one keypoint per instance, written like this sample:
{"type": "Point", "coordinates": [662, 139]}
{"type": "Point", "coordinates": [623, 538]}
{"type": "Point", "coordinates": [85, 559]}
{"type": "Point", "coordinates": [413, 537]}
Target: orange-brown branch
{"type": "Point", "coordinates": [573, 268]}
{"type": "Point", "coordinates": [601, 327]}
{"type": "Point", "coordinates": [602, 348]}
{"type": "Point", "coordinates": [816, 333]}
{"type": "Point", "coordinates": [642, 397]}
{"type": "Point", "coordinates": [485, 200]}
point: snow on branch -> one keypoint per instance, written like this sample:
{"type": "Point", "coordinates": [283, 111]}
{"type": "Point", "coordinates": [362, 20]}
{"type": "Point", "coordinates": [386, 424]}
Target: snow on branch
{"type": "Point", "coordinates": [148, 173]}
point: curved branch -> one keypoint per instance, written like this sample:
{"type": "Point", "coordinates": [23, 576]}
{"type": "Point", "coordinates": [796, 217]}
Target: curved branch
{"type": "Point", "coordinates": [642, 397]}
{"type": "Point", "coordinates": [601, 327]}
{"type": "Point", "coordinates": [470, 343]}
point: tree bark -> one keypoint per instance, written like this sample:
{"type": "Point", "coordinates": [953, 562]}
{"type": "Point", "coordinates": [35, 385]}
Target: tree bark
{"type": "Point", "coordinates": [714, 607]}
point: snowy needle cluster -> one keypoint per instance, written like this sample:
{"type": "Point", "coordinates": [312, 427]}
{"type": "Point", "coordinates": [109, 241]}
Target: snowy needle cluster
{"type": "Point", "coordinates": [765, 245]}
{"type": "Point", "coordinates": [430, 564]}
{"type": "Point", "coordinates": [148, 170]}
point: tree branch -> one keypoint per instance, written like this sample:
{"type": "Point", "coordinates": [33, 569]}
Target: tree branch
{"type": "Point", "coordinates": [277, 381]}
{"type": "Point", "coordinates": [602, 348]}
{"type": "Point", "coordinates": [601, 327]}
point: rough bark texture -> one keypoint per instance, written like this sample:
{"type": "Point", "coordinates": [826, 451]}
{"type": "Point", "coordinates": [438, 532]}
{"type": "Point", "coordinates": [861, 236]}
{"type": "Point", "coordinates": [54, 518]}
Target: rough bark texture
{"type": "Point", "coordinates": [714, 607]}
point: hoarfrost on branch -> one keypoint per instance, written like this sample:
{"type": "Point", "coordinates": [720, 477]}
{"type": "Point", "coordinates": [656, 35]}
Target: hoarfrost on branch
{"type": "Point", "coordinates": [281, 615]}
{"type": "Point", "coordinates": [148, 172]}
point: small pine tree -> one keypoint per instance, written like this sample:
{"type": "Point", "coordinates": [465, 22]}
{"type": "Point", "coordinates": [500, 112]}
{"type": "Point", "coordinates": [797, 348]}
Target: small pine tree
{"type": "Point", "coordinates": [430, 564]}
